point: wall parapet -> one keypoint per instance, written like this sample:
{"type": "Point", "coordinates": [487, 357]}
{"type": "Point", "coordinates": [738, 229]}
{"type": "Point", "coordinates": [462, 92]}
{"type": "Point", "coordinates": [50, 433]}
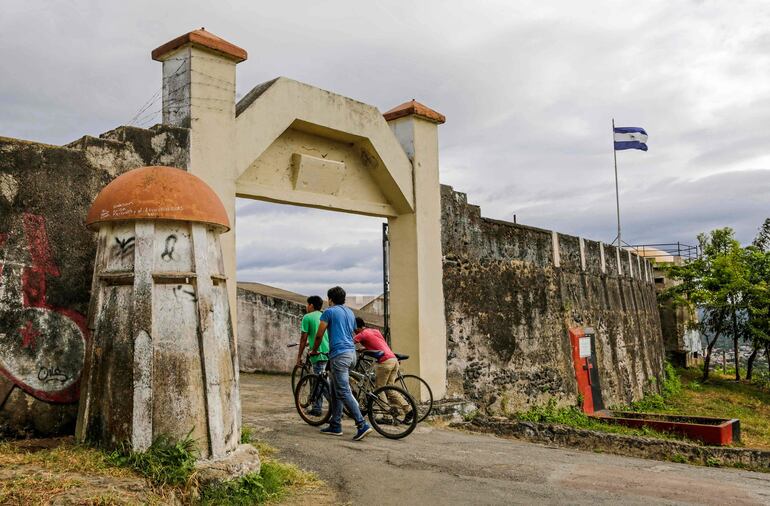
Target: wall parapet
{"type": "Point", "coordinates": [513, 292]}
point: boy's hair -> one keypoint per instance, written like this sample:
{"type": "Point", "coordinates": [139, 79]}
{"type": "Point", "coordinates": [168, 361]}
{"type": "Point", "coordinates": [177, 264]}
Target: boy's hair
{"type": "Point", "coordinates": [360, 322]}
{"type": "Point", "coordinates": [315, 301]}
{"type": "Point", "coordinates": [336, 295]}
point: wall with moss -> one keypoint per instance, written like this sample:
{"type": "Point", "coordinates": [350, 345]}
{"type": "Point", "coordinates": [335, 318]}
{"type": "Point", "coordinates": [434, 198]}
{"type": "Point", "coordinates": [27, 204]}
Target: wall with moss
{"type": "Point", "coordinates": [46, 264]}
{"type": "Point", "coordinates": [511, 294]}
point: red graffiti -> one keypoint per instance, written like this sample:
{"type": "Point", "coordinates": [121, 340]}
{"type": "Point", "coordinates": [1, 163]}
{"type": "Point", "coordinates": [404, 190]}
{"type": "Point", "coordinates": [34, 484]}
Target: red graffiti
{"type": "Point", "coordinates": [28, 335]}
{"type": "Point", "coordinates": [26, 263]}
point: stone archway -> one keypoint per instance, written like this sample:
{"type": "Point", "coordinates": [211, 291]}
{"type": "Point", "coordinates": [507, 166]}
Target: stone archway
{"type": "Point", "coordinates": [289, 142]}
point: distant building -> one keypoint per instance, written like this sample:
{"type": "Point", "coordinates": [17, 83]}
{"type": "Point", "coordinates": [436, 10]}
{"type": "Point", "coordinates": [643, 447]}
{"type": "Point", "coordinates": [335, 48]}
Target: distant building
{"type": "Point", "coordinates": [683, 342]}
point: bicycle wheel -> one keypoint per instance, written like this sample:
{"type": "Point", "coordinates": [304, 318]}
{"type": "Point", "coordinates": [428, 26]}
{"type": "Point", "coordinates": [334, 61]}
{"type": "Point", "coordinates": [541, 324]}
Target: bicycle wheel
{"type": "Point", "coordinates": [312, 398]}
{"type": "Point", "coordinates": [388, 407]}
{"type": "Point", "coordinates": [297, 373]}
{"type": "Point", "coordinates": [358, 389]}
{"type": "Point", "coordinates": [418, 388]}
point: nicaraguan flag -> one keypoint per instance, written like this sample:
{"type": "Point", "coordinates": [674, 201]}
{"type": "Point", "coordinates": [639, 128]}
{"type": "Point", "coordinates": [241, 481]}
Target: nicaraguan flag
{"type": "Point", "coordinates": [630, 138]}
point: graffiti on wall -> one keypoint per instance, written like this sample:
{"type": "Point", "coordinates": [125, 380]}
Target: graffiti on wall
{"type": "Point", "coordinates": [42, 347]}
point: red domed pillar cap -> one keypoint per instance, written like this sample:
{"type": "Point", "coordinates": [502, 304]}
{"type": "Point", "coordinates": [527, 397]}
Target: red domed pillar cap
{"type": "Point", "coordinates": [158, 193]}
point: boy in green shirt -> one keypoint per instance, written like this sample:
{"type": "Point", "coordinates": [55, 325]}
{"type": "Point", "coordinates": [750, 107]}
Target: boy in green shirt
{"type": "Point", "coordinates": [310, 323]}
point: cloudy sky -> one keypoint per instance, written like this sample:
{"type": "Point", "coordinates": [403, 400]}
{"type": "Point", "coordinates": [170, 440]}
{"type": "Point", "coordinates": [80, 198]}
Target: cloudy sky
{"type": "Point", "coordinates": [528, 88]}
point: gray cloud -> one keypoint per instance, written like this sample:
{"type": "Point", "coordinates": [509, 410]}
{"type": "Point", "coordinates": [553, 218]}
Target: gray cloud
{"type": "Point", "coordinates": [528, 88]}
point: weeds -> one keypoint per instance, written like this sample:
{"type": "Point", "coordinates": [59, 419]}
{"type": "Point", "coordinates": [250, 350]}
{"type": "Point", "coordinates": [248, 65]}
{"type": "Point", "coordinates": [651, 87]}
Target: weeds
{"type": "Point", "coordinates": [573, 416]}
{"type": "Point", "coordinates": [254, 488]}
{"type": "Point", "coordinates": [247, 434]}
{"type": "Point", "coordinates": [165, 463]}
{"type": "Point", "coordinates": [670, 386]}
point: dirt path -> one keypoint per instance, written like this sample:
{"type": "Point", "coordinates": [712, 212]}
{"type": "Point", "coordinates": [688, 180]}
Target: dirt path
{"type": "Point", "coordinates": [442, 466]}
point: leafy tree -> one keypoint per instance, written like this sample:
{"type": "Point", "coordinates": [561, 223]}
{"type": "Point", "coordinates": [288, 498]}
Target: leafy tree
{"type": "Point", "coordinates": [758, 297]}
{"type": "Point", "coordinates": [719, 282]}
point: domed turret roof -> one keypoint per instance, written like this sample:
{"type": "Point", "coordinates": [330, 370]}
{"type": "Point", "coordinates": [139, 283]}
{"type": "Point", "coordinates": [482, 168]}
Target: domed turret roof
{"type": "Point", "coordinates": [158, 193]}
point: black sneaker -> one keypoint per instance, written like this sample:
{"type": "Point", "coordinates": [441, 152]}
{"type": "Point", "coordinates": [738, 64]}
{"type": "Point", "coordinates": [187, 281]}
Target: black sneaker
{"type": "Point", "coordinates": [409, 416]}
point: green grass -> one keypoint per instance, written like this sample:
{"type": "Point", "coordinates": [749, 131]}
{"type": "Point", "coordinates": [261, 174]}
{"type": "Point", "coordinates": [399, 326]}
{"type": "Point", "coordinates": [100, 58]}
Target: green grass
{"type": "Point", "coordinates": [165, 463]}
{"type": "Point", "coordinates": [271, 483]}
{"type": "Point", "coordinates": [721, 396]}
{"type": "Point", "coordinates": [172, 464]}
{"type": "Point", "coordinates": [573, 416]}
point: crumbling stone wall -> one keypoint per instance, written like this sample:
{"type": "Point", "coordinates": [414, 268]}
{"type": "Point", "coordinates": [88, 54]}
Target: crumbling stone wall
{"type": "Point", "coordinates": [266, 325]}
{"type": "Point", "coordinates": [269, 319]}
{"type": "Point", "coordinates": [46, 264]}
{"type": "Point", "coordinates": [510, 299]}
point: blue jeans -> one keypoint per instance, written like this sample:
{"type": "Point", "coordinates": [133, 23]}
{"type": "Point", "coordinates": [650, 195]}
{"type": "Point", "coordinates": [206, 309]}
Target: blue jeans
{"type": "Point", "coordinates": [340, 367]}
{"type": "Point", "coordinates": [318, 368]}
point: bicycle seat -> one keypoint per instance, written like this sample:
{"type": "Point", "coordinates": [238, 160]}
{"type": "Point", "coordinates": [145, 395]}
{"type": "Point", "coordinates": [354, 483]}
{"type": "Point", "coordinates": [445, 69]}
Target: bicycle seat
{"type": "Point", "coordinates": [401, 357]}
{"type": "Point", "coordinates": [373, 354]}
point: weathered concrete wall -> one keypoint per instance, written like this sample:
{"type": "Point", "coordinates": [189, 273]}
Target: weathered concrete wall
{"type": "Point", "coordinates": [46, 263]}
{"type": "Point", "coordinates": [511, 298]}
{"type": "Point", "coordinates": [269, 319]}
{"type": "Point", "coordinates": [266, 325]}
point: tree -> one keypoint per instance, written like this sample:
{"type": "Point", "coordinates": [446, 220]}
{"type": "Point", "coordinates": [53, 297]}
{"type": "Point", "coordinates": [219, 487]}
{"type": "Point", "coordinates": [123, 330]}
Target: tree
{"type": "Point", "coordinates": [758, 297]}
{"type": "Point", "coordinates": [717, 281]}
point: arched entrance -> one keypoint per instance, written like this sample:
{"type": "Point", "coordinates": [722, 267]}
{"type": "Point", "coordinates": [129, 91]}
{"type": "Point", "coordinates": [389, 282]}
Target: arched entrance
{"type": "Point", "coordinates": [292, 143]}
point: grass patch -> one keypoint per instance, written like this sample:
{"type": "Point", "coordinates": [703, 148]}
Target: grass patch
{"type": "Point", "coordinates": [35, 489]}
{"type": "Point", "coordinates": [271, 483]}
{"type": "Point", "coordinates": [573, 416]}
{"type": "Point", "coordinates": [247, 434]}
{"type": "Point", "coordinates": [721, 396]}
{"type": "Point", "coordinates": [35, 471]}
{"type": "Point", "coordinates": [165, 463]}
{"type": "Point", "coordinates": [58, 454]}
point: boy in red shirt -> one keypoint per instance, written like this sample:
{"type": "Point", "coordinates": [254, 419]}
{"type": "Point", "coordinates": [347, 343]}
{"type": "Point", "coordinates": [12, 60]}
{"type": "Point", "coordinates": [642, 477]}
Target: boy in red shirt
{"type": "Point", "coordinates": [386, 368]}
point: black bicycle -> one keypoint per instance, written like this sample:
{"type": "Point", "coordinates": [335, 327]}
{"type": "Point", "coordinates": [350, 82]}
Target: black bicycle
{"type": "Point", "coordinates": [417, 387]}
{"type": "Point", "coordinates": [390, 409]}
{"type": "Point", "coordinates": [300, 370]}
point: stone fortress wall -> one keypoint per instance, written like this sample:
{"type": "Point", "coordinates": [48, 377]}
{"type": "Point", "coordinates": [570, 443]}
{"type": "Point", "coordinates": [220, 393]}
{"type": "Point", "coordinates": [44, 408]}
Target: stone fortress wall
{"type": "Point", "coordinates": [46, 264]}
{"type": "Point", "coordinates": [513, 291]}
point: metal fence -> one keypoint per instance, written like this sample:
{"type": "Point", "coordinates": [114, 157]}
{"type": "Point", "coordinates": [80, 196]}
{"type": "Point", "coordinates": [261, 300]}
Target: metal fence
{"type": "Point", "coordinates": [667, 251]}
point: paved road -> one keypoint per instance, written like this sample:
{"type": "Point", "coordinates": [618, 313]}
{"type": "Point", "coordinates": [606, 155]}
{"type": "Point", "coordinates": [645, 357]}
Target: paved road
{"type": "Point", "coordinates": [443, 466]}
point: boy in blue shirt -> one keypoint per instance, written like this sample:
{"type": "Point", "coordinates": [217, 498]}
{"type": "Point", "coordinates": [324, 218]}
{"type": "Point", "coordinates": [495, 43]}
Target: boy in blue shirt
{"type": "Point", "coordinates": [340, 322]}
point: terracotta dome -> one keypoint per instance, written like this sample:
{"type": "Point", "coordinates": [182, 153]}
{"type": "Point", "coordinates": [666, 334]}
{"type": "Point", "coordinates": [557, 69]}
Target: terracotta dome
{"type": "Point", "coordinates": [157, 193]}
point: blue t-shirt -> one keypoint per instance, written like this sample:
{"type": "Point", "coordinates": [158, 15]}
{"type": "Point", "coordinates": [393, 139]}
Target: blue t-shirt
{"type": "Point", "coordinates": [341, 328]}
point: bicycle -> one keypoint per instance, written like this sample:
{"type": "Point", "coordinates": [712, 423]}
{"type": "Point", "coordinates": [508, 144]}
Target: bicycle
{"type": "Point", "coordinates": [383, 406]}
{"type": "Point", "coordinates": [417, 387]}
{"type": "Point", "coordinates": [299, 370]}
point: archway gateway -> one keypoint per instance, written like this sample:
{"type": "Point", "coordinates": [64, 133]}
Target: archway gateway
{"type": "Point", "coordinates": [292, 143]}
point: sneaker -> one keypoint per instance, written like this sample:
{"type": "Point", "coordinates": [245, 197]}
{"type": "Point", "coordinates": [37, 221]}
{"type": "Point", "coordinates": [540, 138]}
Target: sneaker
{"type": "Point", "coordinates": [315, 412]}
{"type": "Point", "coordinates": [408, 417]}
{"type": "Point", "coordinates": [363, 430]}
{"type": "Point", "coordinates": [331, 431]}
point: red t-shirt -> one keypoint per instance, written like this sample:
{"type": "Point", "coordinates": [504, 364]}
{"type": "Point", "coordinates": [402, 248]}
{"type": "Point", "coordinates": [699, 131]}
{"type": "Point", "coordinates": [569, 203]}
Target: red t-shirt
{"type": "Point", "coordinates": [373, 340]}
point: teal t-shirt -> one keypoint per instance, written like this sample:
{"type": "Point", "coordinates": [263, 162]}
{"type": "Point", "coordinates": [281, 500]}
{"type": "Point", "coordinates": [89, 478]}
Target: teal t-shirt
{"type": "Point", "coordinates": [310, 323]}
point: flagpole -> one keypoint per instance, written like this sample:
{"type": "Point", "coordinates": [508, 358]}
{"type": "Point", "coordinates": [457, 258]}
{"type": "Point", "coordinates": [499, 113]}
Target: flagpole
{"type": "Point", "coordinates": [617, 193]}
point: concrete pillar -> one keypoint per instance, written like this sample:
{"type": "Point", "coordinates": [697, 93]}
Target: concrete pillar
{"type": "Point", "coordinates": [417, 294]}
{"type": "Point", "coordinates": [199, 94]}
{"type": "Point", "coordinates": [555, 246]}
{"type": "Point", "coordinates": [162, 360]}
{"type": "Point", "coordinates": [601, 256]}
